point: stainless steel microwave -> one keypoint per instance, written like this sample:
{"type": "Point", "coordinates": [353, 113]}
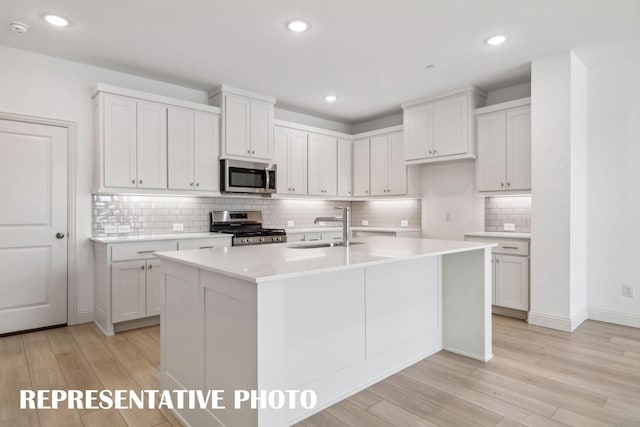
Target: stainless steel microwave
{"type": "Point", "coordinates": [238, 176]}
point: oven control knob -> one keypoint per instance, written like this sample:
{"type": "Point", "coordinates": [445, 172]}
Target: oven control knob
{"type": "Point", "coordinates": [262, 239]}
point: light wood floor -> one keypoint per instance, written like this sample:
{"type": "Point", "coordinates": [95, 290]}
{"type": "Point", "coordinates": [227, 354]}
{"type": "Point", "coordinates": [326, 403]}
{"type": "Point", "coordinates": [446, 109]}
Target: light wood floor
{"type": "Point", "coordinates": [538, 377]}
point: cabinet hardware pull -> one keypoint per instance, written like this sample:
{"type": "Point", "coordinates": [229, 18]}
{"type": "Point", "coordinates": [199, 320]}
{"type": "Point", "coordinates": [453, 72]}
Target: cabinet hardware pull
{"type": "Point", "coordinates": [142, 268]}
{"type": "Point", "coordinates": [133, 181]}
{"type": "Point", "coordinates": [502, 184]}
{"type": "Point", "coordinates": [435, 151]}
{"type": "Point", "coordinates": [140, 182]}
{"type": "Point", "coordinates": [253, 151]}
{"type": "Point", "coordinates": [197, 184]}
{"type": "Point", "coordinates": [293, 189]}
{"type": "Point", "coordinates": [430, 152]}
{"type": "Point", "coordinates": [248, 151]}
{"type": "Point", "coordinates": [191, 184]}
{"type": "Point", "coordinates": [206, 247]}
{"type": "Point", "coordinates": [150, 267]}
{"type": "Point", "coordinates": [497, 260]}
{"type": "Point", "coordinates": [147, 252]}
{"type": "Point", "coordinates": [509, 247]}
{"type": "Point", "coordinates": [508, 184]}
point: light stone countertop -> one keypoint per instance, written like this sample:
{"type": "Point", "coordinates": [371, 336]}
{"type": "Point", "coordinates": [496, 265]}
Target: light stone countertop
{"type": "Point", "coordinates": [294, 230]}
{"type": "Point", "coordinates": [500, 234]}
{"type": "Point", "coordinates": [263, 263]}
{"type": "Point", "coordinates": [154, 237]}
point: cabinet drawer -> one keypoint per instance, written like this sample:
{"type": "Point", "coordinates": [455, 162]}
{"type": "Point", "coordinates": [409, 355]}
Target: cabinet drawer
{"type": "Point", "coordinates": [184, 245]}
{"type": "Point", "coordinates": [140, 250]}
{"type": "Point", "coordinates": [311, 237]}
{"type": "Point", "coordinates": [505, 246]}
{"type": "Point", "coordinates": [511, 247]}
{"type": "Point", "coordinates": [332, 235]}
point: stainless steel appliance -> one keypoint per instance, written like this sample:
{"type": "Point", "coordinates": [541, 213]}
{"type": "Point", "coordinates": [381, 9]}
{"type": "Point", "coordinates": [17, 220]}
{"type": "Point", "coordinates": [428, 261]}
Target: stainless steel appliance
{"type": "Point", "coordinates": [238, 176]}
{"type": "Point", "coordinates": [246, 227]}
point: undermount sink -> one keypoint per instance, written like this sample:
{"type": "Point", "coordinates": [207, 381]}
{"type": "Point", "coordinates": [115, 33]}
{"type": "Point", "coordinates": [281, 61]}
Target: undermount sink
{"type": "Point", "coordinates": [321, 245]}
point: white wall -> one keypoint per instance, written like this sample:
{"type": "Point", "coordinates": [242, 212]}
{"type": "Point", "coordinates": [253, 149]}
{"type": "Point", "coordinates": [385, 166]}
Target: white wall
{"type": "Point", "coordinates": [557, 157]}
{"type": "Point", "coordinates": [450, 188]}
{"type": "Point", "coordinates": [510, 93]}
{"type": "Point", "coordinates": [613, 189]}
{"type": "Point", "coordinates": [305, 119]}
{"type": "Point", "coordinates": [42, 86]}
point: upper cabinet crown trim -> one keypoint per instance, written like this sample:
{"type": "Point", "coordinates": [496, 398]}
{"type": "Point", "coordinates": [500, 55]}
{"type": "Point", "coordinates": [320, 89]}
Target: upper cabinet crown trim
{"type": "Point", "coordinates": [241, 92]}
{"type": "Point", "coordinates": [390, 129]}
{"type": "Point", "coordinates": [145, 96]}
{"type": "Point", "coordinates": [504, 106]}
{"type": "Point", "coordinates": [446, 94]}
{"type": "Point", "coordinates": [313, 129]}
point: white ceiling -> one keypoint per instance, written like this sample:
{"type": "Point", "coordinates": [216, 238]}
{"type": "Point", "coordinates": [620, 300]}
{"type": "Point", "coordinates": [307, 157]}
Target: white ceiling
{"type": "Point", "coordinates": [370, 53]}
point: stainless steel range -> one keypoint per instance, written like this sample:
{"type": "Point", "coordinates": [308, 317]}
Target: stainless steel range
{"type": "Point", "coordinates": [246, 227]}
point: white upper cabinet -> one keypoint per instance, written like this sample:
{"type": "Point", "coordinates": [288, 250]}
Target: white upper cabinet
{"type": "Point", "coordinates": [322, 169]}
{"type": "Point", "coordinates": [150, 142]}
{"type": "Point", "coordinates": [247, 124]}
{"type": "Point", "coordinates": [504, 147]}
{"type": "Point", "coordinates": [361, 154]}
{"type": "Point", "coordinates": [152, 145]}
{"type": "Point", "coordinates": [440, 128]}
{"type": "Point", "coordinates": [291, 159]}
{"type": "Point", "coordinates": [193, 143]}
{"type": "Point", "coordinates": [345, 168]}
{"type": "Point", "coordinates": [388, 170]}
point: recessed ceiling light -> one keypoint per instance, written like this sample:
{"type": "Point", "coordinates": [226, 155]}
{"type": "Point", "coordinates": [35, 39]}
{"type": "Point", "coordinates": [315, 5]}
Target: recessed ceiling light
{"type": "Point", "coordinates": [19, 27]}
{"type": "Point", "coordinates": [330, 98]}
{"type": "Point", "coordinates": [298, 26]}
{"type": "Point", "coordinates": [496, 40]}
{"type": "Point", "coordinates": [56, 20]}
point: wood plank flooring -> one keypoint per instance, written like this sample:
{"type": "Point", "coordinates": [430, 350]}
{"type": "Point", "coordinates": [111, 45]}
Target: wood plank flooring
{"type": "Point", "coordinates": [538, 377]}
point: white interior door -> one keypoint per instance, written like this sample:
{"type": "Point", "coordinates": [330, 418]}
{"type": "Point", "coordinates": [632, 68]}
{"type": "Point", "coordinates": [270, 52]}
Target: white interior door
{"type": "Point", "coordinates": [33, 260]}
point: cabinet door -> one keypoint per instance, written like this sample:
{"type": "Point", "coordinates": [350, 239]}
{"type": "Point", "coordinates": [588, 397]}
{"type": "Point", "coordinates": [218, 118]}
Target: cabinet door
{"type": "Point", "coordinates": [492, 147]}
{"type": "Point", "coordinates": [345, 168]}
{"type": "Point", "coordinates": [180, 144]}
{"type": "Point", "coordinates": [128, 290]}
{"type": "Point", "coordinates": [298, 162]}
{"type": "Point", "coordinates": [120, 151]}
{"type": "Point", "coordinates": [418, 132]}
{"type": "Point", "coordinates": [451, 126]}
{"type": "Point", "coordinates": [261, 130]}
{"type": "Point", "coordinates": [237, 119]}
{"type": "Point", "coordinates": [379, 159]}
{"type": "Point", "coordinates": [281, 137]}
{"type": "Point", "coordinates": [206, 131]}
{"type": "Point", "coordinates": [361, 165]}
{"type": "Point", "coordinates": [152, 145]}
{"type": "Point", "coordinates": [519, 148]}
{"type": "Point", "coordinates": [322, 168]}
{"type": "Point", "coordinates": [512, 282]}
{"type": "Point", "coordinates": [396, 169]}
{"type": "Point", "coordinates": [154, 287]}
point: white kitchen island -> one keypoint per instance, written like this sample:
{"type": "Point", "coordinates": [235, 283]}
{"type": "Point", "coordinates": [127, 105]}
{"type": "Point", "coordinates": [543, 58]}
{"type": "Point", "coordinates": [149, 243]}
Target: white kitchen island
{"type": "Point", "coordinates": [333, 320]}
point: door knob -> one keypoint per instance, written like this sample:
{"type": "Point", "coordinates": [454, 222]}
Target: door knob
{"type": "Point", "coordinates": [60, 235]}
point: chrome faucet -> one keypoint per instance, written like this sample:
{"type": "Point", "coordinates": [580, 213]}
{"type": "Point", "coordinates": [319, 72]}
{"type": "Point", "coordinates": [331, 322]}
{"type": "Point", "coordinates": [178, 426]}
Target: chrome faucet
{"type": "Point", "coordinates": [346, 223]}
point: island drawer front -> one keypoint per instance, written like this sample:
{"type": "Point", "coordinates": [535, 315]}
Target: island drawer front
{"type": "Point", "coordinates": [141, 250]}
{"type": "Point", "coordinates": [505, 246]}
{"type": "Point", "coordinates": [184, 245]}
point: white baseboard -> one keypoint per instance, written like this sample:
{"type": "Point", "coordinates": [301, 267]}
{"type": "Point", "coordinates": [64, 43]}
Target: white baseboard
{"type": "Point", "coordinates": [550, 321]}
{"type": "Point", "coordinates": [615, 317]}
{"type": "Point", "coordinates": [84, 317]}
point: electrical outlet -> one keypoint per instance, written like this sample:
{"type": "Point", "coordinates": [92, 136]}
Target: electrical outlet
{"type": "Point", "coordinates": [627, 291]}
{"type": "Point", "coordinates": [110, 229]}
{"type": "Point", "coordinates": [447, 217]}
{"type": "Point", "coordinates": [365, 222]}
{"type": "Point", "coordinates": [291, 223]}
{"type": "Point", "coordinates": [124, 229]}
{"type": "Point", "coordinates": [178, 227]}
{"type": "Point", "coordinates": [509, 227]}
{"type": "Point", "coordinates": [404, 223]}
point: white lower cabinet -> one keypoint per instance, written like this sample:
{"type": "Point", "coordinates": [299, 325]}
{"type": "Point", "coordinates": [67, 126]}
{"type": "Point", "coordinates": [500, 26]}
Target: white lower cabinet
{"type": "Point", "coordinates": [510, 274]}
{"type": "Point", "coordinates": [136, 289]}
{"type": "Point", "coordinates": [128, 281]}
{"type": "Point", "coordinates": [511, 288]}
